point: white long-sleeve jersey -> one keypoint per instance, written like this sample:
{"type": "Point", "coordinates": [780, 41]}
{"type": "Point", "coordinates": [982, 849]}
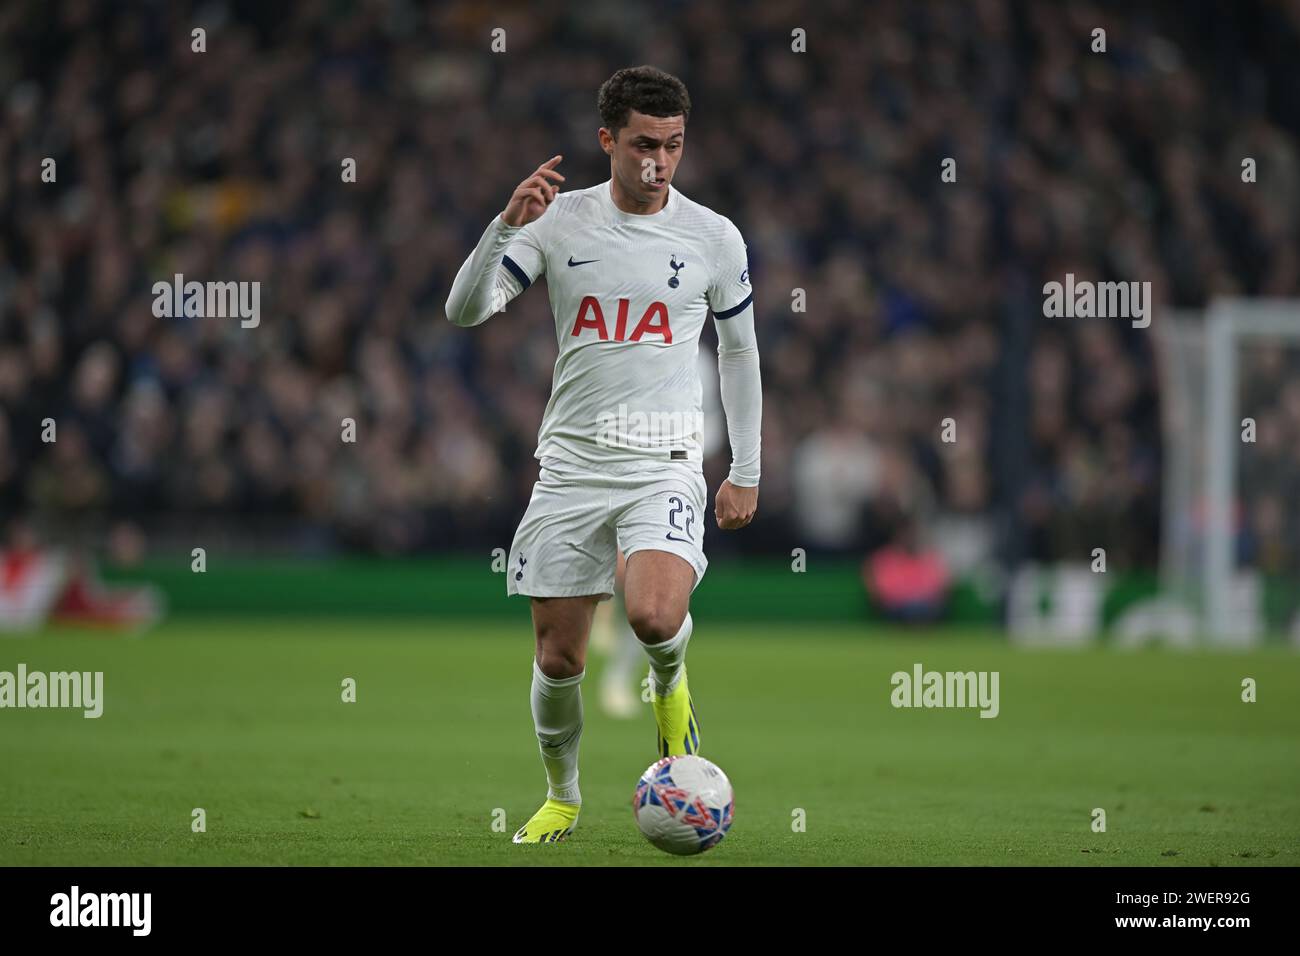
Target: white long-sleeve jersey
{"type": "Point", "coordinates": [630, 295]}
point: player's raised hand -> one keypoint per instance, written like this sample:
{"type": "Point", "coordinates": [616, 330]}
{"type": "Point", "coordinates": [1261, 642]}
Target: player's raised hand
{"type": "Point", "coordinates": [735, 506]}
{"type": "Point", "coordinates": [533, 195]}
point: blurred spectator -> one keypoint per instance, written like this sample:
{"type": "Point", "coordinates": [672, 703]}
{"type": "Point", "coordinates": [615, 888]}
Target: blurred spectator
{"type": "Point", "coordinates": [906, 581]}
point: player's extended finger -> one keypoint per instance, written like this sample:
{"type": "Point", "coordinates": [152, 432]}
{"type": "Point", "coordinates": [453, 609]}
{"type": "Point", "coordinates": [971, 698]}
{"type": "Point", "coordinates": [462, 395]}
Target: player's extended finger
{"type": "Point", "coordinates": [533, 193]}
{"type": "Point", "coordinates": [540, 183]}
{"type": "Point", "coordinates": [550, 174]}
{"type": "Point", "coordinates": [552, 162]}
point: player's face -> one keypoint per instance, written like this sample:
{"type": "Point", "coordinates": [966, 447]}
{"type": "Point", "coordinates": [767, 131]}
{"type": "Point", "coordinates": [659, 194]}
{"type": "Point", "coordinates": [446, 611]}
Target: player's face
{"type": "Point", "coordinates": [644, 157]}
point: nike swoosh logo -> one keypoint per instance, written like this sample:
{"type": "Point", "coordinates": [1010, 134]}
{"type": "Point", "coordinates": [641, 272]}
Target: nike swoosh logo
{"type": "Point", "coordinates": [670, 537]}
{"type": "Point", "coordinates": [580, 262]}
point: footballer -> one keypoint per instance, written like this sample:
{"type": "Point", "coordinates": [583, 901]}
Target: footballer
{"type": "Point", "coordinates": [633, 268]}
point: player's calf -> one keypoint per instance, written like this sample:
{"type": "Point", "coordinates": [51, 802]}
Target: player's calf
{"type": "Point", "coordinates": [658, 593]}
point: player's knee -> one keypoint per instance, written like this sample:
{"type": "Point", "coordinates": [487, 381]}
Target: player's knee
{"type": "Point", "coordinates": [558, 663]}
{"type": "Point", "coordinates": [559, 654]}
{"type": "Point", "coordinates": [654, 625]}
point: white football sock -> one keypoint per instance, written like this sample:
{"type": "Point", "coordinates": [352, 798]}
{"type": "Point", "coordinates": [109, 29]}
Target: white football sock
{"type": "Point", "coordinates": [557, 716]}
{"type": "Point", "coordinates": [666, 659]}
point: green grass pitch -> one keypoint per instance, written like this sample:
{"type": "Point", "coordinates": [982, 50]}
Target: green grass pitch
{"type": "Point", "coordinates": [244, 719]}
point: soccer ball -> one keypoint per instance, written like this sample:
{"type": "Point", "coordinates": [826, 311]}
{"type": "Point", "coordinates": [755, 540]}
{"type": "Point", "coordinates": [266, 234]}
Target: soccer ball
{"type": "Point", "coordinates": [683, 804]}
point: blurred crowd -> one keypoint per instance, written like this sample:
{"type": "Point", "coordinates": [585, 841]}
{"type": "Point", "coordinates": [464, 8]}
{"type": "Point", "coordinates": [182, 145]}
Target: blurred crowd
{"type": "Point", "coordinates": [1269, 479]}
{"type": "Point", "coordinates": [924, 298]}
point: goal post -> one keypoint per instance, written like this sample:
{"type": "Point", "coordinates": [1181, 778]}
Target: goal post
{"type": "Point", "coordinates": [1209, 430]}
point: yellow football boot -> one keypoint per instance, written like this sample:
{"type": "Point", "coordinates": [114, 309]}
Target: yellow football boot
{"type": "Point", "coordinates": [679, 731]}
{"type": "Point", "coordinates": [551, 824]}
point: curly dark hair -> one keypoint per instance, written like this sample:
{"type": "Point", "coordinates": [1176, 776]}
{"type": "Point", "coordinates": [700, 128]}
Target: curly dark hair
{"type": "Point", "coordinates": [645, 89]}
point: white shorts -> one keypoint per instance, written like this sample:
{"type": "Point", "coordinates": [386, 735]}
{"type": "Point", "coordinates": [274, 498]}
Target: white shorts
{"type": "Point", "coordinates": [578, 519]}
